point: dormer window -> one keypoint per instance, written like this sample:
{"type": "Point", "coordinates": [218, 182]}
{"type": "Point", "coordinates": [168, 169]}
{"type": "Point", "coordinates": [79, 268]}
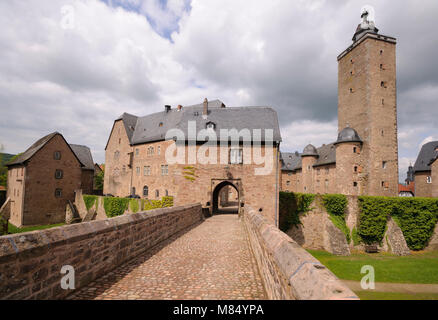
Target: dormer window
{"type": "Point", "coordinates": [211, 125]}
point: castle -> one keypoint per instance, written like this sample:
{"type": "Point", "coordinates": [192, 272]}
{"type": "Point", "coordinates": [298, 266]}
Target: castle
{"type": "Point", "coordinates": [364, 158]}
{"type": "Point", "coordinates": [362, 161]}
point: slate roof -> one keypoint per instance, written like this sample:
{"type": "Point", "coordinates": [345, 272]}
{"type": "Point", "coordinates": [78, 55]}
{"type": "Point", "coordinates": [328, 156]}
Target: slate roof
{"type": "Point", "coordinates": [34, 148]}
{"type": "Point", "coordinates": [426, 156]}
{"type": "Point", "coordinates": [84, 155]}
{"type": "Point", "coordinates": [290, 161]}
{"type": "Point", "coordinates": [326, 156]}
{"type": "Point", "coordinates": [154, 127]}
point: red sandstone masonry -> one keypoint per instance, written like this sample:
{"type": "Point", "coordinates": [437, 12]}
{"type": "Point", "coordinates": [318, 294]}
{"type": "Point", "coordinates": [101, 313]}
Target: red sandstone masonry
{"type": "Point", "coordinates": [30, 263]}
{"type": "Point", "coordinates": [288, 271]}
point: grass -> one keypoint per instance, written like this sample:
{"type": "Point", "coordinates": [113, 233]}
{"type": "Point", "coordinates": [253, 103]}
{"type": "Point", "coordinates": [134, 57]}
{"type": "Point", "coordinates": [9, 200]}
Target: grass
{"type": "Point", "coordinates": [372, 295]}
{"type": "Point", "coordinates": [419, 267]}
{"type": "Point", "coordinates": [14, 229]}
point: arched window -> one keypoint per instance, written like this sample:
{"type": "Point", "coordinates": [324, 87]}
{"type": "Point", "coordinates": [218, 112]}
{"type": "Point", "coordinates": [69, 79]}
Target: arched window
{"type": "Point", "coordinates": [145, 191]}
{"type": "Point", "coordinates": [59, 174]}
{"type": "Point", "coordinates": [57, 155]}
{"type": "Point", "coordinates": [157, 193]}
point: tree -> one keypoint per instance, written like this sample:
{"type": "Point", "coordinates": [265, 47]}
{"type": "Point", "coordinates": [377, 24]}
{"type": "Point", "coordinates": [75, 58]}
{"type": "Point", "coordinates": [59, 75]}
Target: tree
{"type": "Point", "coordinates": [98, 180]}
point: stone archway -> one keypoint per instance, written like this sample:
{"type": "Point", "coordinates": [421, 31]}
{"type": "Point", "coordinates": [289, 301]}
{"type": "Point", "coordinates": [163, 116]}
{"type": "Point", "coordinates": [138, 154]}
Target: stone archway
{"type": "Point", "coordinates": [228, 203]}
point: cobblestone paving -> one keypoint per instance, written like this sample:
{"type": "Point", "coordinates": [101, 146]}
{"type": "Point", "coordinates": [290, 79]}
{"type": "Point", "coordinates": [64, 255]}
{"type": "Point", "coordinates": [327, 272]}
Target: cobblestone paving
{"type": "Point", "coordinates": [211, 261]}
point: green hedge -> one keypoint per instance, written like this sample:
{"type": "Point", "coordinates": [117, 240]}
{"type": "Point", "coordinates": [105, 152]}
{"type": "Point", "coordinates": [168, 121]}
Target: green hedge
{"type": "Point", "coordinates": [416, 217]}
{"type": "Point", "coordinates": [133, 205]}
{"type": "Point", "coordinates": [115, 206]}
{"type": "Point", "coordinates": [165, 202]}
{"type": "Point", "coordinates": [291, 206]}
{"type": "Point", "coordinates": [336, 205]}
{"type": "Point", "coordinates": [90, 201]}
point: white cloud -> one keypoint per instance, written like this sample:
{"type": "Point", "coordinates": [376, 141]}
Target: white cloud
{"type": "Point", "coordinates": [275, 53]}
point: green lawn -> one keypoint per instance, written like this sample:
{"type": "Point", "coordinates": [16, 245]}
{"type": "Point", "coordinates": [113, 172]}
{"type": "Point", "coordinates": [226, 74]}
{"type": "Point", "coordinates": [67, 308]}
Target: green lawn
{"type": "Point", "coordinates": [372, 295]}
{"type": "Point", "coordinates": [14, 229]}
{"type": "Point", "coordinates": [419, 267]}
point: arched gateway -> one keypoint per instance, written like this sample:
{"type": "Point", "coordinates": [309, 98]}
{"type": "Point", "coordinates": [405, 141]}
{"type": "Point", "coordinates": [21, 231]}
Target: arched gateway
{"type": "Point", "coordinates": [226, 196]}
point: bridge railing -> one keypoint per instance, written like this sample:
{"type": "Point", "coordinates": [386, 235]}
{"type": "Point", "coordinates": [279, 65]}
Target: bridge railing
{"type": "Point", "coordinates": [288, 271]}
{"type": "Point", "coordinates": [31, 263]}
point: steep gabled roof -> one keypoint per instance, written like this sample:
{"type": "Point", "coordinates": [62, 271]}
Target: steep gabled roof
{"type": "Point", "coordinates": [84, 155]}
{"type": "Point", "coordinates": [427, 154]}
{"type": "Point", "coordinates": [34, 148]}
{"type": "Point", "coordinates": [292, 161]}
{"type": "Point", "coordinates": [154, 127]}
{"type": "Point", "coordinates": [327, 155]}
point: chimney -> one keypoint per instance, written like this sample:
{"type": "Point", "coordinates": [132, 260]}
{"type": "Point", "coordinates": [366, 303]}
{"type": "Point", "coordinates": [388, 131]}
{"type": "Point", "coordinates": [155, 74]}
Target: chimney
{"type": "Point", "coordinates": [179, 107]}
{"type": "Point", "coordinates": [167, 108]}
{"type": "Point", "coordinates": [205, 111]}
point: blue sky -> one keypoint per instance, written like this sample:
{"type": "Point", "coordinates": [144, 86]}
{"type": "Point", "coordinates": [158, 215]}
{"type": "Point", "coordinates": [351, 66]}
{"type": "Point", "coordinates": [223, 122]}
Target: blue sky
{"type": "Point", "coordinates": [75, 66]}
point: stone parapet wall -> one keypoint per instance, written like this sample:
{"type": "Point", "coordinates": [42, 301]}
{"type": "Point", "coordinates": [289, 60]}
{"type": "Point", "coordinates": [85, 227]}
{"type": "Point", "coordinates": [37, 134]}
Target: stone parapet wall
{"type": "Point", "coordinates": [288, 271]}
{"type": "Point", "coordinates": [30, 263]}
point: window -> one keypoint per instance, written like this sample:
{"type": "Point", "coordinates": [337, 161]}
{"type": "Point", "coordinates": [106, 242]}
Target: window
{"type": "Point", "coordinates": [124, 169]}
{"type": "Point", "coordinates": [429, 179]}
{"type": "Point", "coordinates": [355, 169]}
{"type": "Point", "coordinates": [210, 125]}
{"type": "Point", "coordinates": [383, 164]}
{"type": "Point", "coordinates": [381, 52]}
{"type": "Point", "coordinates": [137, 152]}
{"type": "Point", "coordinates": [351, 90]}
{"type": "Point", "coordinates": [58, 193]}
{"type": "Point", "coordinates": [383, 102]}
{"type": "Point", "coordinates": [236, 156]}
{"type": "Point", "coordinates": [57, 155]}
{"type": "Point", "coordinates": [318, 171]}
{"type": "Point", "coordinates": [160, 125]}
{"type": "Point", "coordinates": [288, 183]}
{"type": "Point", "coordinates": [354, 149]}
{"type": "Point", "coordinates": [138, 171]}
{"type": "Point", "coordinates": [116, 155]}
{"type": "Point", "coordinates": [383, 133]}
{"type": "Point", "coordinates": [326, 184]}
{"type": "Point", "coordinates": [150, 151]}
{"type": "Point", "coordinates": [145, 191]}
{"type": "Point", "coordinates": [158, 150]}
{"type": "Point", "coordinates": [326, 170]}
{"type": "Point", "coordinates": [354, 184]}
{"type": "Point", "coordinates": [164, 170]}
{"type": "Point", "coordinates": [59, 174]}
{"type": "Point", "coordinates": [381, 67]}
{"type": "Point", "coordinates": [167, 193]}
{"type": "Point", "coordinates": [383, 84]}
{"type": "Point", "coordinates": [120, 141]}
{"type": "Point", "coordinates": [157, 193]}
{"type": "Point", "coordinates": [289, 174]}
{"type": "Point", "coordinates": [308, 167]}
{"type": "Point", "coordinates": [147, 171]}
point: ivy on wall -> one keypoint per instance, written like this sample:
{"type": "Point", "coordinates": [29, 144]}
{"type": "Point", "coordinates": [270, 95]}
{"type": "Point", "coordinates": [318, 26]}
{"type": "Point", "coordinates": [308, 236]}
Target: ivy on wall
{"type": "Point", "coordinates": [90, 201]}
{"type": "Point", "coordinates": [416, 217]}
{"type": "Point", "coordinates": [336, 204]}
{"type": "Point", "coordinates": [291, 206]}
{"type": "Point", "coordinates": [190, 173]}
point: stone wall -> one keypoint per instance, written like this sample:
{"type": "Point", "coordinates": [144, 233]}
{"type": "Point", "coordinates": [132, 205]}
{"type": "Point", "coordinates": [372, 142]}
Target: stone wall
{"type": "Point", "coordinates": [423, 189]}
{"type": "Point", "coordinates": [288, 271]}
{"type": "Point", "coordinates": [30, 263]}
{"type": "Point", "coordinates": [317, 232]}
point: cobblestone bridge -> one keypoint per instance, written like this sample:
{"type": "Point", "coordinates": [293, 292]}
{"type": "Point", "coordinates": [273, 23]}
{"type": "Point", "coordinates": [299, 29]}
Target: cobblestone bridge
{"type": "Point", "coordinates": [210, 261]}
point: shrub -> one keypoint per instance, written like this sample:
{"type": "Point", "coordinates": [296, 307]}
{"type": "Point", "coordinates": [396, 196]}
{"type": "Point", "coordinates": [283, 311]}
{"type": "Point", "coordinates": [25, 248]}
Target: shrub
{"type": "Point", "coordinates": [133, 205]}
{"type": "Point", "coordinates": [90, 201]}
{"type": "Point", "coordinates": [374, 213]}
{"type": "Point", "coordinates": [167, 202]}
{"type": "Point", "coordinates": [115, 206]}
{"type": "Point", "coordinates": [336, 204]}
{"type": "Point", "coordinates": [356, 238]}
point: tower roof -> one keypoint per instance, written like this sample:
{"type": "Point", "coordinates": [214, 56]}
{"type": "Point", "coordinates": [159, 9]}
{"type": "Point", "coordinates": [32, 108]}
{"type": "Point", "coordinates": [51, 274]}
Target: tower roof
{"type": "Point", "coordinates": [310, 151]}
{"type": "Point", "coordinates": [348, 135]}
{"type": "Point", "coordinates": [366, 26]}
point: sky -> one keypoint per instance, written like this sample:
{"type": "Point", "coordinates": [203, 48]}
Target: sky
{"type": "Point", "coordinates": [75, 66]}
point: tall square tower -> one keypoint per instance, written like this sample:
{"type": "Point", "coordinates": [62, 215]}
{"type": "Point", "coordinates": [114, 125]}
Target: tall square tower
{"type": "Point", "coordinates": [367, 102]}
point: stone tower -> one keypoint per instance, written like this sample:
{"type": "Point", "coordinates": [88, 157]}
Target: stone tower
{"type": "Point", "coordinates": [308, 158]}
{"type": "Point", "coordinates": [368, 104]}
